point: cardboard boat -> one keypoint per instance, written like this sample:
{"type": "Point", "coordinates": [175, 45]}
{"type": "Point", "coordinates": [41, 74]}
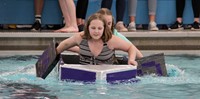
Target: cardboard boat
{"type": "Point", "coordinates": [70, 69]}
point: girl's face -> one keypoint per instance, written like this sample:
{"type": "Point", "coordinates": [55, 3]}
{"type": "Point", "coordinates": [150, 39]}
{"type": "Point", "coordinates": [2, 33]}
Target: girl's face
{"type": "Point", "coordinates": [108, 20]}
{"type": "Point", "coordinates": [96, 29]}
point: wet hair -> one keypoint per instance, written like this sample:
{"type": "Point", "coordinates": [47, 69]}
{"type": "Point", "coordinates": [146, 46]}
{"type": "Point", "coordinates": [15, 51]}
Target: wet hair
{"type": "Point", "coordinates": [107, 33]}
{"type": "Point", "coordinates": [105, 11]}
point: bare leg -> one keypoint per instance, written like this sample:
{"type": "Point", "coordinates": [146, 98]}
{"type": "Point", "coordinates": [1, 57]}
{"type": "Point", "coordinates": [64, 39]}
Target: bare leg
{"type": "Point", "coordinates": [179, 19]}
{"type": "Point", "coordinates": [152, 5]}
{"type": "Point", "coordinates": [196, 19]}
{"type": "Point", "coordinates": [65, 13]}
{"type": "Point", "coordinates": [132, 18]}
{"type": "Point", "coordinates": [69, 13]}
{"type": "Point", "coordinates": [38, 6]}
{"type": "Point", "coordinates": [152, 18]}
{"type": "Point", "coordinates": [79, 21]}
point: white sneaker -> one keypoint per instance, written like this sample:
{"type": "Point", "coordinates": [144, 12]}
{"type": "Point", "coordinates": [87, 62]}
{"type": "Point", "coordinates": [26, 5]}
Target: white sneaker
{"type": "Point", "coordinates": [120, 27]}
{"type": "Point", "coordinates": [131, 26]}
{"type": "Point", "coordinates": [153, 26]}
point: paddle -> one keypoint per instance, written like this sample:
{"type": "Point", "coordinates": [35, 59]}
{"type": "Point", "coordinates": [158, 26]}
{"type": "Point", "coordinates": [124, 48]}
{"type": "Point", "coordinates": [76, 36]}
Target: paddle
{"type": "Point", "coordinates": [47, 61]}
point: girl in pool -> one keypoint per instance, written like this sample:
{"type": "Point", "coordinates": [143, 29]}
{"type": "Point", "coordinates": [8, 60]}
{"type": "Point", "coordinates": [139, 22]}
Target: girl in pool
{"type": "Point", "coordinates": [110, 22]}
{"type": "Point", "coordinates": [97, 44]}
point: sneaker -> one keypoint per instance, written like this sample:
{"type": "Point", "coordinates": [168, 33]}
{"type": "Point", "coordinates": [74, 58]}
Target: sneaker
{"type": "Point", "coordinates": [153, 26]}
{"type": "Point", "coordinates": [120, 27]}
{"type": "Point", "coordinates": [176, 26]}
{"type": "Point", "coordinates": [36, 26]}
{"type": "Point", "coordinates": [195, 26]}
{"type": "Point", "coordinates": [131, 26]}
{"type": "Point", "coordinates": [12, 26]}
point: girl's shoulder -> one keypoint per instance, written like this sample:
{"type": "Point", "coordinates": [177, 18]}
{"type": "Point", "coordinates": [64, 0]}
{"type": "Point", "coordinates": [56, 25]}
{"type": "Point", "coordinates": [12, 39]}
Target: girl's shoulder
{"type": "Point", "coordinates": [79, 35]}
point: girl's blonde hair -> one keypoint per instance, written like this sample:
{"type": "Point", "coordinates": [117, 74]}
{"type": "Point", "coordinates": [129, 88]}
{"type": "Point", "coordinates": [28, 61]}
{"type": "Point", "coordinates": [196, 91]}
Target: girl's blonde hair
{"type": "Point", "coordinates": [105, 11]}
{"type": "Point", "coordinates": [107, 33]}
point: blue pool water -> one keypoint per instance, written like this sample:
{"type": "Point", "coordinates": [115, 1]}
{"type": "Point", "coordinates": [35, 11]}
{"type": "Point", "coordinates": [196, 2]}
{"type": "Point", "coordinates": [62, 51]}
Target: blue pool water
{"type": "Point", "coordinates": [18, 81]}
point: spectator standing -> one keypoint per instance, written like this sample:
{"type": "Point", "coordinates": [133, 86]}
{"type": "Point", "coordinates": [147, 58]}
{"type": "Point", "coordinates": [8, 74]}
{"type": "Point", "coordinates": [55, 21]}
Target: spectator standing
{"type": "Point", "coordinates": [69, 13]}
{"type": "Point", "coordinates": [81, 11]}
{"type": "Point", "coordinates": [38, 6]}
{"type": "Point", "coordinates": [120, 10]}
{"type": "Point", "coordinates": [152, 6]}
{"type": "Point", "coordinates": [180, 5]}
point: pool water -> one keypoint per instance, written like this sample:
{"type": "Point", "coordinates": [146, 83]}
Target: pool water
{"type": "Point", "coordinates": [18, 81]}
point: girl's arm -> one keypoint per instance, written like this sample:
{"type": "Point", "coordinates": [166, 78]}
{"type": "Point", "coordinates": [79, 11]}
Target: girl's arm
{"type": "Point", "coordinates": [117, 43]}
{"type": "Point", "coordinates": [74, 49]}
{"type": "Point", "coordinates": [132, 56]}
{"type": "Point", "coordinates": [69, 43]}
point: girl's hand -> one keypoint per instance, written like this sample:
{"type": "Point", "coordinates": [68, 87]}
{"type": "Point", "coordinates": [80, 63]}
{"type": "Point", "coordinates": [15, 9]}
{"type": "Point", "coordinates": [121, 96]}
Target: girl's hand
{"type": "Point", "coordinates": [132, 62]}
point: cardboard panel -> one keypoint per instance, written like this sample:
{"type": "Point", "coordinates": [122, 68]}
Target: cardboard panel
{"type": "Point", "coordinates": [47, 61]}
{"type": "Point", "coordinates": [153, 64]}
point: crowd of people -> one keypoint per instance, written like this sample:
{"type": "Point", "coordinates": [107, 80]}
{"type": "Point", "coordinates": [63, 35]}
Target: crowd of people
{"type": "Point", "coordinates": [180, 5]}
{"type": "Point", "coordinates": [74, 15]}
{"type": "Point", "coordinates": [75, 20]}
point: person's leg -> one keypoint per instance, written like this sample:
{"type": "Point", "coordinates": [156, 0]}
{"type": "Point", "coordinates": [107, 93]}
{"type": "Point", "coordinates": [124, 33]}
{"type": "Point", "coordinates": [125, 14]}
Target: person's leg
{"type": "Point", "coordinates": [38, 4]}
{"type": "Point", "coordinates": [64, 12]}
{"type": "Point", "coordinates": [132, 6]}
{"type": "Point", "coordinates": [180, 5]}
{"type": "Point", "coordinates": [69, 13]}
{"type": "Point", "coordinates": [38, 7]}
{"type": "Point", "coordinates": [81, 11]}
{"type": "Point", "coordinates": [152, 5]}
{"type": "Point", "coordinates": [196, 11]}
{"type": "Point", "coordinates": [106, 4]}
{"type": "Point", "coordinates": [120, 9]}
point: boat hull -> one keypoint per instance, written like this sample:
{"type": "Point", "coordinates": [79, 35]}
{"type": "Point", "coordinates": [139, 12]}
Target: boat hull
{"type": "Point", "coordinates": [93, 73]}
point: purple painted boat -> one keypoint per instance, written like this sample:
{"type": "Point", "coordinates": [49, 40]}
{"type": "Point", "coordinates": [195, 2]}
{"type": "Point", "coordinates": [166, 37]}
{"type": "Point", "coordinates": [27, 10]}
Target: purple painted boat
{"type": "Point", "coordinates": [70, 69]}
{"type": "Point", "coordinates": [92, 73]}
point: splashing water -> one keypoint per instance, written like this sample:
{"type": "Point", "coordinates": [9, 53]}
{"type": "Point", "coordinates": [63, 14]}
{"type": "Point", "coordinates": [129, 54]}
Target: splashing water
{"type": "Point", "coordinates": [18, 79]}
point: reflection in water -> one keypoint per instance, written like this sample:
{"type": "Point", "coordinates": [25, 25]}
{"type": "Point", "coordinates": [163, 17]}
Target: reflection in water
{"type": "Point", "coordinates": [24, 91]}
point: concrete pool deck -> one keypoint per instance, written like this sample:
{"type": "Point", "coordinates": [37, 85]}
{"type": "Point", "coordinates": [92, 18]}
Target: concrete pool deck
{"type": "Point", "coordinates": [169, 42]}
